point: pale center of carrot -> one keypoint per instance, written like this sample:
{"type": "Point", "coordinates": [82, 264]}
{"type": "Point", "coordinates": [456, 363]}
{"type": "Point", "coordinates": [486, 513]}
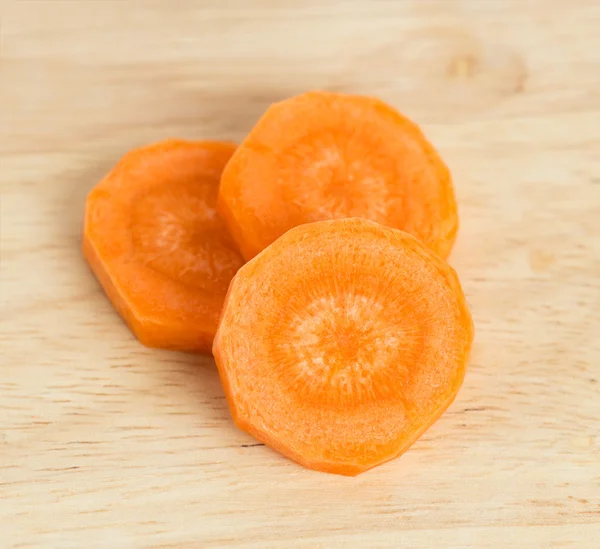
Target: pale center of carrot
{"type": "Point", "coordinates": [177, 232]}
{"type": "Point", "coordinates": [343, 347]}
{"type": "Point", "coordinates": [338, 179]}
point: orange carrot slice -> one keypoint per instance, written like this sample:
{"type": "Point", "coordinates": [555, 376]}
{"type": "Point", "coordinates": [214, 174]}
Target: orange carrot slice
{"type": "Point", "coordinates": [341, 343]}
{"type": "Point", "coordinates": [322, 156]}
{"type": "Point", "coordinates": [157, 245]}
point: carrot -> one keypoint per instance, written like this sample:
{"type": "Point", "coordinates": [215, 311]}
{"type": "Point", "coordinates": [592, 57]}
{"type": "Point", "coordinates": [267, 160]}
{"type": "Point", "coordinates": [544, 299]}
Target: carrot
{"type": "Point", "coordinates": [154, 240]}
{"type": "Point", "coordinates": [341, 343]}
{"type": "Point", "coordinates": [323, 155]}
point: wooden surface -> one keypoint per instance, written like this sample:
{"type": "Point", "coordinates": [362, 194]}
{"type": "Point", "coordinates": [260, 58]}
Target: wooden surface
{"type": "Point", "coordinates": [105, 444]}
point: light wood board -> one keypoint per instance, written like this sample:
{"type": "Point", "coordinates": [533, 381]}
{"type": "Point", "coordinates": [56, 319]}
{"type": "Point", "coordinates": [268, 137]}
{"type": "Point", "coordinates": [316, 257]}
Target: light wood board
{"type": "Point", "coordinates": [106, 444]}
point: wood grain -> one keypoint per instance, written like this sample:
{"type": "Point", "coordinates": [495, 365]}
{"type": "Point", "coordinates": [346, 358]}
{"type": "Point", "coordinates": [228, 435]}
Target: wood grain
{"type": "Point", "coordinates": [106, 444]}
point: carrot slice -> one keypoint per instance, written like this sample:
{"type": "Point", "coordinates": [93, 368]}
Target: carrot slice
{"type": "Point", "coordinates": [341, 343]}
{"type": "Point", "coordinates": [322, 155]}
{"type": "Point", "coordinates": [157, 245]}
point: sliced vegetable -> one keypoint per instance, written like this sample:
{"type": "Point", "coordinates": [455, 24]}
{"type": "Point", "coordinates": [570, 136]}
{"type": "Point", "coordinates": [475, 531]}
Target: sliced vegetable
{"type": "Point", "coordinates": [341, 343]}
{"type": "Point", "coordinates": [157, 245]}
{"type": "Point", "coordinates": [322, 156]}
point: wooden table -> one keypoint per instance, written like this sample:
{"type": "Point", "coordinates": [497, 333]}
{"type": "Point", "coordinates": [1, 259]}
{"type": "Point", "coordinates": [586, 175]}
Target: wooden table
{"type": "Point", "coordinates": [106, 444]}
